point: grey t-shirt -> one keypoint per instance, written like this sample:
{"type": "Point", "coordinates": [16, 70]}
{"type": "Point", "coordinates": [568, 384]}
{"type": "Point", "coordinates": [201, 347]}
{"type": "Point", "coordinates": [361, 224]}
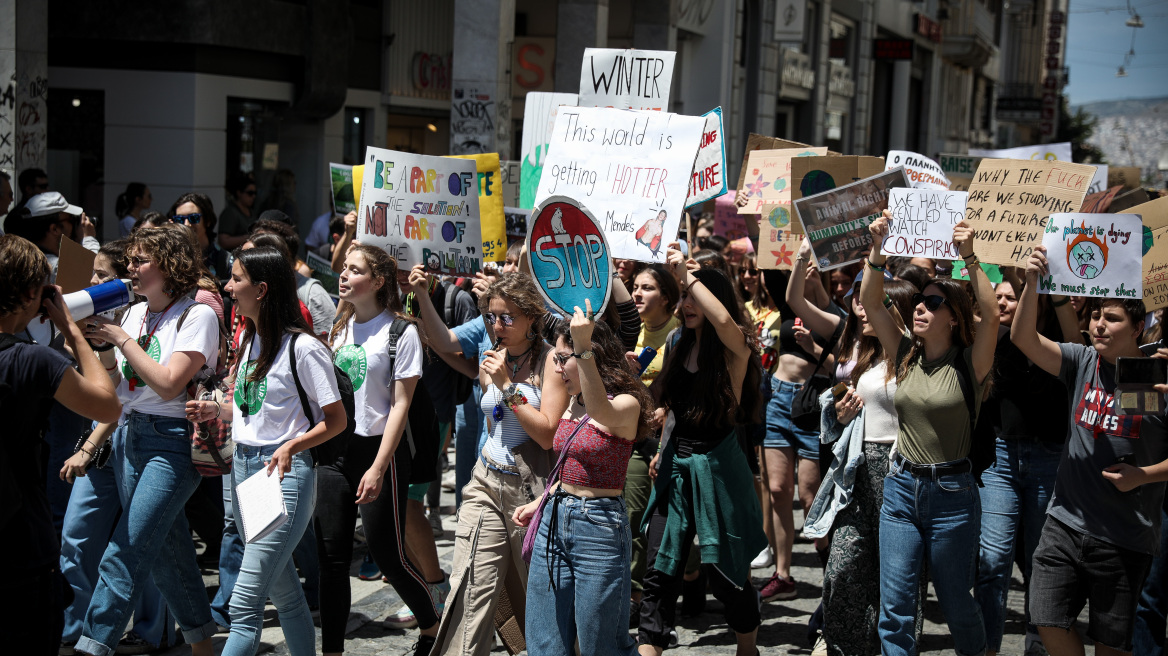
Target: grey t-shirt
{"type": "Point", "coordinates": [1098, 438]}
{"type": "Point", "coordinates": [320, 305]}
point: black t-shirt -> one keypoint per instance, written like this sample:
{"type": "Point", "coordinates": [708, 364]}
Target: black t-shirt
{"type": "Point", "coordinates": [32, 374]}
{"type": "Point", "coordinates": [437, 376]}
{"type": "Point", "coordinates": [1025, 402]}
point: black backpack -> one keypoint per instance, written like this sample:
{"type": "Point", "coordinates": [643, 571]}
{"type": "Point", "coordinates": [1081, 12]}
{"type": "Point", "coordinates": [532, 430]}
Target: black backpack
{"type": "Point", "coordinates": [334, 449]}
{"type": "Point", "coordinates": [421, 432]}
{"type": "Point", "coordinates": [982, 447]}
{"type": "Point", "coordinates": [462, 384]}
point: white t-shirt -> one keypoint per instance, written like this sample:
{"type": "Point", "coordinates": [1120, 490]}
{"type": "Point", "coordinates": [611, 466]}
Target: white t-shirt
{"type": "Point", "coordinates": [880, 421]}
{"type": "Point", "coordinates": [274, 412]}
{"type": "Point", "coordinates": [362, 351]}
{"type": "Point", "coordinates": [199, 334]}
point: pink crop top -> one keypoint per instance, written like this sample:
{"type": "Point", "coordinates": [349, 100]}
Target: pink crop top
{"type": "Point", "coordinates": [596, 459]}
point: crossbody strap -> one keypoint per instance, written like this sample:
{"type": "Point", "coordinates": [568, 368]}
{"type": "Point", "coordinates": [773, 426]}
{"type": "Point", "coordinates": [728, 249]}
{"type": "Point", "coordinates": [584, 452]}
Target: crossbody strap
{"type": "Point", "coordinates": [296, 379]}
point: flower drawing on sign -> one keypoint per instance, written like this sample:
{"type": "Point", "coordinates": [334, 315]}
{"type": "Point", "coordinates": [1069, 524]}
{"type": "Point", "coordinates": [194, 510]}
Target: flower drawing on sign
{"type": "Point", "coordinates": [650, 233]}
{"type": "Point", "coordinates": [783, 255]}
{"type": "Point", "coordinates": [1087, 254]}
{"type": "Point", "coordinates": [755, 188]}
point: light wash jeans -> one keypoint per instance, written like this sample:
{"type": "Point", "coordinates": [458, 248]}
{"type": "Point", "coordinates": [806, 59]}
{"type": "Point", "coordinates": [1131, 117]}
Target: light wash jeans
{"type": "Point", "coordinates": [1018, 487]}
{"type": "Point", "coordinates": [267, 569]}
{"type": "Point", "coordinates": [152, 537]}
{"type": "Point", "coordinates": [588, 563]}
{"type": "Point", "coordinates": [938, 519]}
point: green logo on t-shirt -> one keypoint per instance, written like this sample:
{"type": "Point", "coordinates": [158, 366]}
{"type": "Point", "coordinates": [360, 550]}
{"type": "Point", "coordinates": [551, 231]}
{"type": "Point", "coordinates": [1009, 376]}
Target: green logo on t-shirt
{"type": "Point", "coordinates": [351, 359]}
{"type": "Point", "coordinates": [248, 394]}
{"type": "Point", "coordinates": [154, 350]}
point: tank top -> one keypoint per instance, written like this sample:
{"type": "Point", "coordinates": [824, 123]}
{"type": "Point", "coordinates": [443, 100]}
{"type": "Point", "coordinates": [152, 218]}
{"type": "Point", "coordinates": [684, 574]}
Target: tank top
{"type": "Point", "coordinates": [880, 422]}
{"type": "Point", "coordinates": [506, 434]}
{"type": "Point", "coordinates": [714, 428]}
{"type": "Point", "coordinates": [596, 459]}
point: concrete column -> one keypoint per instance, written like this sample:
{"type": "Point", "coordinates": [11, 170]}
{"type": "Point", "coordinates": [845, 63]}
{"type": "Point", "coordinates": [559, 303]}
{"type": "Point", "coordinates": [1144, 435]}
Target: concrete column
{"type": "Point", "coordinates": [480, 112]}
{"type": "Point", "coordinates": [898, 124]}
{"type": "Point", "coordinates": [24, 72]}
{"type": "Point", "coordinates": [822, 70]}
{"type": "Point", "coordinates": [651, 26]}
{"type": "Point", "coordinates": [580, 24]}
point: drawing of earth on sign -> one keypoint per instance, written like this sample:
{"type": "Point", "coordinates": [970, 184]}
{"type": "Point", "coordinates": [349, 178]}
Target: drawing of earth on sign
{"type": "Point", "coordinates": [1148, 240]}
{"type": "Point", "coordinates": [1087, 256]}
{"type": "Point", "coordinates": [780, 217]}
{"type": "Point", "coordinates": [816, 182]}
{"type": "Point", "coordinates": [569, 255]}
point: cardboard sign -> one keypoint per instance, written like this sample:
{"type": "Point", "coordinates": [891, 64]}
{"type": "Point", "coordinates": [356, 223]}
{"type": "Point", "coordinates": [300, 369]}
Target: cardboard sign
{"type": "Point", "coordinates": [1127, 199]}
{"type": "Point", "coordinates": [510, 170]}
{"type": "Point", "coordinates": [1155, 241]}
{"type": "Point", "coordinates": [960, 170]}
{"type": "Point", "coordinates": [626, 79]}
{"type": "Point", "coordinates": [630, 168]}
{"type": "Point", "coordinates": [768, 176]}
{"type": "Point", "coordinates": [922, 172]}
{"type": "Point", "coordinates": [1056, 151]}
{"type": "Point", "coordinates": [341, 183]}
{"type": "Point", "coordinates": [778, 244]}
{"type": "Point", "coordinates": [569, 256]}
{"type": "Point", "coordinates": [421, 210]}
{"type": "Point", "coordinates": [491, 220]}
{"type": "Point", "coordinates": [1099, 180]}
{"type": "Point", "coordinates": [727, 222]}
{"type": "Point", "coordinates": [1099, 202]}
{"type": "Point", "coordinates": [539, 118]}
{"type": "Point", "coordinates": [922, 223]}
{"type": "Point", "coordinates": [836, 221]}
{"type": "Point", "coordinates": [760, 142]}
{"type": "Point", "coordinates": [322, 270]}
{"type": "Point", "coordinates": [1010, 199]}
{"type": "Point", "coordinates": [1093, 255]}
{"type": "Point", "coordinates": [74, 266]}
{"type": "Point", "coordinates": [709, 172]}
{"type": "Point", "coordinates": [1127, 176]}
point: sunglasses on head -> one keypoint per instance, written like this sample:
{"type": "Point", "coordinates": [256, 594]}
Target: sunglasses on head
{"type": "Point", "coordinates": [491, 318]}
{"type": "Point", "coordinates": [192, 219]}
{"type": "Point", "coordinates": [932, 301]}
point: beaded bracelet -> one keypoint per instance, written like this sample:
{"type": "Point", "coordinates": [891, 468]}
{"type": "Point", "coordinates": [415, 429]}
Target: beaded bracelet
{"type": "Point", "coordinates": [875, 266]}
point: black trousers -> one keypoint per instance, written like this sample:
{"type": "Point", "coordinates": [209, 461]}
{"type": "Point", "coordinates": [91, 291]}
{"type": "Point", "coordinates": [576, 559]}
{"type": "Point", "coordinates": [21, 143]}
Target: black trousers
{"type": "Point", "coordinates": [34, 623]}
{"type": "Point", "coordinates": [384, 522]}
{"type": "Point", "coordinates": [742, 606]}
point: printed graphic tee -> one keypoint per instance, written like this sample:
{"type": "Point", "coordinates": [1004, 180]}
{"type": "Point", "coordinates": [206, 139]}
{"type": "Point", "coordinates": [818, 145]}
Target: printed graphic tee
{"type": "Point", "coordinates": [268, 411]}
{"type": "Point", "coordinates": [1099, 438]}
{"type": "Point", "coordinates": [161, 337]}
{"type": "Point", "coordinates": [362, 351]}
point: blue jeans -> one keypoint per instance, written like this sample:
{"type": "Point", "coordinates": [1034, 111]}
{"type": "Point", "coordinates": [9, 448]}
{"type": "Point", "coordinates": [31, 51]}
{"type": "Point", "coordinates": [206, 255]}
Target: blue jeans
{"type": "Point", "coordinates": [93, 510]}
{"type": "Point", "coordinates": [939, 520]}
{"type": "Point", "coordinates": [1150, 622]}
{"type": "Point", "coordinates": [151, 537]}
{"type": "Point", "coordinates": [1018, 487]}
{"type": "Point", "coordinates": [267, 569]}
{"type": "Point", "coordinates": [588, 563]}
{"type": "Point", "coordinates": [467, 447]}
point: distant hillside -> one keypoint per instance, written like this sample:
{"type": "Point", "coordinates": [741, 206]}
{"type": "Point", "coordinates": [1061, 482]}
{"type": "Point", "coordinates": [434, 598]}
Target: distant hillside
{"type": "Point", "coordinates": [1131, 107]}
{"type": "Point", "coordinates": [1132, 133]}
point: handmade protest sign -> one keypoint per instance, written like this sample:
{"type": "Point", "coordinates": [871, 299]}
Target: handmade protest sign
{"type": "Point", "coordinates": [814, 175]}
{"type": "Point", "coordinates": [1099, 202]}
{"type": "Point", "coordinates": [1128, 176]}
{"type": "Point", "coordinates": [922, 223]}
{"type": "Point", "coordinates": [626, 79]}
{"type": "Point", "coordinates": [510, 169]}
{"type": "Point", "coordinates": [1099, 180]}
{"type": "Point", "coordinates": [322, 270]}
{"type": "Point", "coordinates": [421, 210]}
{"type": "Point", "coordinates": [777, 243]}
{"type": "Point", "coordinates": [1010, 199]}
{"type": "Point", "coordinates": [341, 183]}
{"type": "Point", "coordinates": [493, 224]}
{"type": "Point", "coordinates": [709, 172]}
{"type": "Point", "coordinates": [1155, 245]}
{"type": "Point", "coordinates": [539, 117]}
{"type": "Point", "coordinates": [922, 172]}
{"type": "Point", "coordinates": [1056, 151]}
{"type": "Point", "coordinates": [768, 176]}
{"type": "Point", "coordinates": [836, 222]}
{"type": "Point", "coordinates": [727, 222]}
{"type": "Point", "coordinates": [516, 222]}
{"type": "Point", "coordinates": [760, 142]}
{"type": "Point", "coordinates": [1093, 255]}
{"type": "Point", "coordinates": [959, 169]}
{"type": "Point", "coordinates": [633, 166]}
{"type": "Point", "coordinates": [569, 256]}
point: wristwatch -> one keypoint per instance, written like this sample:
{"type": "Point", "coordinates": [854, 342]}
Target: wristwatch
{"type": "Point", "coordinates": [586, 355]}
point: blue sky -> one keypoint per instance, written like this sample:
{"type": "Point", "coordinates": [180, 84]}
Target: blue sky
{"type": "Point", "coordinates": [1096, 45]}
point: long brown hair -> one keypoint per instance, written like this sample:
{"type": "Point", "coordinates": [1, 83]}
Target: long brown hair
{"type": "Point", "coordinates": [962, 308]}
{"type": "Point", "coordinates": [615, 371]}
{"type": "Point", "coordinates": [383, 266]}
{"type": "Point", "coordinates": [870, 351]}
{"type": "Point", "coordinates": [279, 309]}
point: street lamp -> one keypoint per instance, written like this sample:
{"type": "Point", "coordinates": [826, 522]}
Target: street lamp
{"type": "Point", "coordinates": [1121, 72]}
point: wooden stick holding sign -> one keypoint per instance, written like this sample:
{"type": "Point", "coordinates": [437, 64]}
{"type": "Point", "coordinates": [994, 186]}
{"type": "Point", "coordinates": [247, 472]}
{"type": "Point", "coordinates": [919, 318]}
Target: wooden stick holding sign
{"type": "Point", "coordinates": [569, 255]}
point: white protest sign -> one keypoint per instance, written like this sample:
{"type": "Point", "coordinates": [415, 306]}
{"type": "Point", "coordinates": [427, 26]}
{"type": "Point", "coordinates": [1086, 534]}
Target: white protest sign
{"type": "Point", "coordinates": [421, 210]}
{"type": "Point", "coordinates": [1094, 255]}
{"type": "Point", "coordinates": [626, 79]}
{"type": "Point", "coordinates": [709, 171]}
{"type": "Point", "coordinates": [922, 222]}
{"type": "Point", "coordinates": [631, 169]}
{"type": "Point", "coordinates": [1055, 151]}
{"type": "Point", "coordinates": [1099, 180]}
{"type": "Point", "coordinates": [539, 117]}
{"type": "Point", "coordinates": [922, 172]}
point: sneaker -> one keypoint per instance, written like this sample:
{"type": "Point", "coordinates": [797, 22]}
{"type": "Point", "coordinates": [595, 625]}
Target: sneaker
{"type": "Point", "coordinates": [423, 646]}
{"type": "Point", "coordinates": [765, 558]}
{"type": "Point", "coordinates": [673, 638]}
{"type": "Point", "coordinates": [402, 619]}
{"type": "Point", "coordinates": [439, 592]}
{"type": "Point", "coordinates": [448, 481]}
{"type": "Point", "coordinates": [133, 643]}
{"type": "Point", "coordinates": [778, 588]}
{"type": "Point", "coordinates": [820, 648]}
{"type": "Point", "coordinates": [369, 570]}
{"type": "Point", "coordinates": [436, 523]}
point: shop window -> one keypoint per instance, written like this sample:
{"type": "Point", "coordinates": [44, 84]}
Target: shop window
{"type": "Point", "coordinates": [253, 139]}
{"type": "Point", "coordinates": [356, 120]}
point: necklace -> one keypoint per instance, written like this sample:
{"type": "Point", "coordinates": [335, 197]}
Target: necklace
{"type": "Point", "coordinates": [519, 360]}
{"type": "Point", "coordinates": [659, 326]}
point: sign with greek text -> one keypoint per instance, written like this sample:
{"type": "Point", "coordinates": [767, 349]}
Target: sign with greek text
{"type": "Point", "coordinates": [922, 172]}
{"type": "Point", "coordinates": [709, 173]}
{"type": "Point", "coordinates": [922, 223]}
{"type": "Point", "coordinates": [1010, 199]}
{"type": "Point", "coordinates": [422, 210]}
{"type": "Point", "coordinates": [1054, 151]}
{"type": "Point", "coordinates": [836, 221]}
{"type": "Point", "coordinates": [632, 166]}
{"type": "Point", "coordinates": [510, 169]}
{"type": "Point", "coordinates": [569, 256]}
{"type": "Point", "coordinates": [626, 79]}
{"type": "Point", "coordinates": [1155, 240]}
{"type": "Point", "coordinates": [1093, 255]}
{"type": "Point", "coordinates": [768, 176]}
{"type": "Point", "coordinates": [341, 184]}
{"type": "Point", "coordinates": [539, 118]}
{"type": "Point", "coordinates": [491, 220]}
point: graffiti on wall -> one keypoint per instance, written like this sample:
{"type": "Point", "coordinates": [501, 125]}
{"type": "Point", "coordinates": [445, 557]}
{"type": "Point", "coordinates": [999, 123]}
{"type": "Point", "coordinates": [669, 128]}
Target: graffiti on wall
{"type": "Point", "coordinates": [472, 122]}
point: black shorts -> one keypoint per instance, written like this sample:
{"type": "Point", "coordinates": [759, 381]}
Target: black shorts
{"type": "Point", "coordinates": [1072, 569]}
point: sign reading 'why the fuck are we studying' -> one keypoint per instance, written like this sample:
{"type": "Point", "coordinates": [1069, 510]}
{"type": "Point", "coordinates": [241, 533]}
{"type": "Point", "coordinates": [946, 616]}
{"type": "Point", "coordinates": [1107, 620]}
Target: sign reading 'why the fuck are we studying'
{"type": "Point", "coordinates": [421, 210]}
{"type": "Point", "coordinates": [1094, 255]}
{"type": "Point", "coordinates": [922, 223]}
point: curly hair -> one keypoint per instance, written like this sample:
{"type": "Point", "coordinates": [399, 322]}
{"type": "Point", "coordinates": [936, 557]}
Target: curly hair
{"type": "Point", "coordinates": [381, 265]}
{"type": "Point", "coordinates": [23, 268]}
{"type": "Point", "coordinates": [520, 289]}
{"type": "Point", "coordinates": [175, 252]}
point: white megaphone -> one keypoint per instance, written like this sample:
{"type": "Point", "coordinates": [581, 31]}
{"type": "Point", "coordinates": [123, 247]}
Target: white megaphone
{"type": "Point", "coordinates": [99, 298]}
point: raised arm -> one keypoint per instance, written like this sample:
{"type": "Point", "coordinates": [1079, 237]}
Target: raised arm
{"type": "Point", "coordinates": [441, 338]}
{"type": "Point", "coordinates": [539, 424]}
{"type": "Point", "coordinates": [816, 320]}
{"type": "Point", "coordinates": [985, 340]}
{"type": "Point", "coordinates": [872, 289]}
{"type": "Point", "coordinates": [342, 247]}
{"type": "Point", "coordinates": [620, 414]}
{"type": "Point", "coordinates": [90, 393]}
{"type": "Point", "coordinates": [626, 310]}
{"type": "Point", "coordinates": [728, 331]}
{"type": "Point", "coordinates": [1024, 330]}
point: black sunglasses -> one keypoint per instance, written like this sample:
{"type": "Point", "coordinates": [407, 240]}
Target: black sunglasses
{"type": "Point", "coordinates": [192, 219]}
{"type": "Point", "coordinates": [932, 301]}
{"type": "Point", "coordinates": [491, 318]}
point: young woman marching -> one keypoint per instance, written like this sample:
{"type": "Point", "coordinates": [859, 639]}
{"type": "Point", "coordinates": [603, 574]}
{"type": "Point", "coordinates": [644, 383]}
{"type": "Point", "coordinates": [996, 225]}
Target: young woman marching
{"type": "Point", "coordinates": [709, 383]}
{"type": "Point", "coordinates": [273, 433]}
{"type": "Point", "coordinates": [578, 587]}
{"type": "Point", "coordinates": [931, 511]}
{"type": "Point", "coordinates": [373, 473]}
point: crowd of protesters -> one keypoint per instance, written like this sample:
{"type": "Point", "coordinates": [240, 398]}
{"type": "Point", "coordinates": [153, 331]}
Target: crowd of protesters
{"type": "Point", "coordinates": [934, 427]}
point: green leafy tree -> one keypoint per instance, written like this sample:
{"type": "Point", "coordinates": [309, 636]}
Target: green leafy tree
{"type": "Point", "coordinates": [1077, 129]}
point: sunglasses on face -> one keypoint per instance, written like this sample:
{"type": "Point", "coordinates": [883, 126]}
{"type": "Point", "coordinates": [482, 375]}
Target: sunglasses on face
{"type": "Point", "coordinates": [192, 219]}
{"type": "Point", "coordinates": [561, 359]}
{"type": "Point", "coordinates": [932, 301]}
{"type": "Point", "coordinates": [750, 272]}
{"type": "Point", "coordinates": [491, 318]}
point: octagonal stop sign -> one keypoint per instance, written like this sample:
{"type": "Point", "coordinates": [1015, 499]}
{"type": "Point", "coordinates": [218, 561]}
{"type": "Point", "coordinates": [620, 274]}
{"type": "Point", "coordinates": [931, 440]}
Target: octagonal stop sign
{"type": "Point", "coordinates": [569, 255]}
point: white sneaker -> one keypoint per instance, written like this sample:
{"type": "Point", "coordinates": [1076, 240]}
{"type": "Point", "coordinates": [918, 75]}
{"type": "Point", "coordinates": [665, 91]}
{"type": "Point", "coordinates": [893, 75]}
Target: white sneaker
{"type": "Point", "coordinates": [402, 619]}
{"type": "Point", "coordinates": [765, 558]}
{"type": "Point", "coordinates": [448, 481]}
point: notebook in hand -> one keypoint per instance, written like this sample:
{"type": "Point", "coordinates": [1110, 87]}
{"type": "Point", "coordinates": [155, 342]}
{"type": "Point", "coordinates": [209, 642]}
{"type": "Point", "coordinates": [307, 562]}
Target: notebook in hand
{"type": "Point", "coordinates": [261, 505]}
